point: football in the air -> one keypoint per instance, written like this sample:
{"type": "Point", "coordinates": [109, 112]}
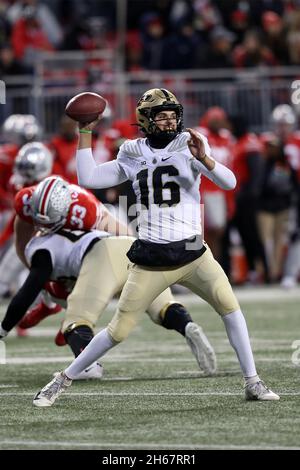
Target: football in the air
{"type": "Point", "coordinates": [85, 107]}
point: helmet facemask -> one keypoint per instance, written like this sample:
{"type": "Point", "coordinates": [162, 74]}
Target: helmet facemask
{"type": "Point", "coordinates": [153, 102]}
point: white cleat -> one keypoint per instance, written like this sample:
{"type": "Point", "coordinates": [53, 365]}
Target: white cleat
{"type": "Point", "coordinates": [288, 282]}
{"type": "Point", "coordinates": [95, 371]}
{"type": "Point", "coordinates": [201, 348]}
{"type": "Point", "coordinates": [51, 391]}
{"type": "Point", "coordinates": [258, 391]}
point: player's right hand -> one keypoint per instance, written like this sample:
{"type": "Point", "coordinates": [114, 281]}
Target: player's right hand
{"type": "Point", "coordinates": [91, 125]}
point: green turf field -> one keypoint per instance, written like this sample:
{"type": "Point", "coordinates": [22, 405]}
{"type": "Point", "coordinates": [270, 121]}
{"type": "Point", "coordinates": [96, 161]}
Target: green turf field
{"type": "Point", "coordinates": [153, 396]}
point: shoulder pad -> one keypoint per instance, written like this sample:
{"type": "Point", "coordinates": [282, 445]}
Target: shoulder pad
{"type": "Point", "coordinates": [179, 143]}
{"type": "Point", "coordinates": [133, 148]}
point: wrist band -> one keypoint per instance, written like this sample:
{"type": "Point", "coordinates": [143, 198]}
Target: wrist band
{"type": "Point", "coordinates": [85, 131]}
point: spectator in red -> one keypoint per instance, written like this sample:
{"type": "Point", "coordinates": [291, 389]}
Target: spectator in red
{"type": "Point", "coordinates": [252, 52]}
{"type": "Point", "coordinates": [239, 22]}
{"type": "Point", "coordinates": [44, 15]}
{"type": "Point", "coordinates": [218, 206]}
{"type": "Point", "coordinates": [63, 146]}
{"type": "Point", "coordinates": [133, 51]}
{"type": "Point", "coordinates": [28, 36]}
{"type": "Point", "coordinates": [275, 36]}
{"type": "Point", "coordinates": [248, 165]}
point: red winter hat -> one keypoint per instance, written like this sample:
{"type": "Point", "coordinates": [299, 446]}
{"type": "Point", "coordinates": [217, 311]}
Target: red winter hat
{"type": "Point", "coordinates": [213, 113]}
{"type": "Point", "coordinates": [270, 18]}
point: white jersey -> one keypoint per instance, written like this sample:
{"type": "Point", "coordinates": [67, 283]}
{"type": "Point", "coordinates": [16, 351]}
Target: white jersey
{"type": "Point", "coordinates": [66, 251]}
{"type": "Point", "coordinates": [166, 183]}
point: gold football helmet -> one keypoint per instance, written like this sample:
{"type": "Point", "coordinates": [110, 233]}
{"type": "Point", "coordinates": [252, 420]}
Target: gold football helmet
{"type": "Point", "coordinates": [152, 102]}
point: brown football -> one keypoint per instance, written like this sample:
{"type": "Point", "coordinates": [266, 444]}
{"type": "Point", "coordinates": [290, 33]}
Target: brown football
{"type": "Point", "coordinates": [85, 107]}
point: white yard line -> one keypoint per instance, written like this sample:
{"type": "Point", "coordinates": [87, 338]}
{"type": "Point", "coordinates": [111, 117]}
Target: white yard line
{"type": "Point", "coordinates": [9, 386]}
{"type": "Point", "coordinates": [68, 359]}
{"type": "Point", "coordinates": [146, 394]}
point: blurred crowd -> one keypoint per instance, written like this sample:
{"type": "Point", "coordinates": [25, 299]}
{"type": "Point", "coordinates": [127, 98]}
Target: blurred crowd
{"type": "Point", "coordinates": [160, 35]}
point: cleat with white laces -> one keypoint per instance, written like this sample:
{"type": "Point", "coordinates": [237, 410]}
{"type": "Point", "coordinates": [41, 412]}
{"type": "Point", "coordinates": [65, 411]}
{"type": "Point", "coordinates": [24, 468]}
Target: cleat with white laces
{"type": "Point", "coordinates": [51, 391]}
{"type": "Point", "coordinates": [95, 371]}
{"type": "Point", "coordinates": [201, 348]}
{"type": "Point", "coordinates": [259, 391]}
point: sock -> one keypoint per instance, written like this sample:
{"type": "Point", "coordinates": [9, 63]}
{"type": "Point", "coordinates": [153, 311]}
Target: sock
{"type": "Point", "coordinates": [251, 380]}
{"type": "Point", "coordinates": [238, 336]}
{"type": "Point", "coordinates": [99, 345]}
{"type": "Point", "coordinates": [176, 318]}
{"type": "Point", "coordinates": [78, 338]}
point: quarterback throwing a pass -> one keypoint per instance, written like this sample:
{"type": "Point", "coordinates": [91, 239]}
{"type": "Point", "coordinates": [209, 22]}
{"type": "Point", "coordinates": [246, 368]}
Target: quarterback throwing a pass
{"type": "Point", "coordinates": [165, 169]}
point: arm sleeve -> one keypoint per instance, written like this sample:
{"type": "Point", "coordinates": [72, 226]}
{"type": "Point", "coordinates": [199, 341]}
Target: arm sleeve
{"type": "Point", "coordinates": [40, 271]}
{"type": "Point", "coordinates": [91, 175]}
{"type": "Point", "coordinates": [220, 175]}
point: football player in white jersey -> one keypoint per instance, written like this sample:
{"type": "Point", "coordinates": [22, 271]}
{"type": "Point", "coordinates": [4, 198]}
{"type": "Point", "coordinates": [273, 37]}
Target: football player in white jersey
{"type": "Point", "coordinates": [165, 168]}
{"type": "Point", "coordinates": [91, 267]}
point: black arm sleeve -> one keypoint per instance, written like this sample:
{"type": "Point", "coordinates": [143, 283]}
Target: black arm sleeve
{"type": "Point", "coordinates": [40, 272]}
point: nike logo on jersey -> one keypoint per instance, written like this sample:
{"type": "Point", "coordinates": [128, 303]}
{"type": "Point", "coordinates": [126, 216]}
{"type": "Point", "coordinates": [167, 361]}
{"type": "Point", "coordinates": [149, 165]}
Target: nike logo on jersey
{"type": "Point", "coordinates": [164, 159]}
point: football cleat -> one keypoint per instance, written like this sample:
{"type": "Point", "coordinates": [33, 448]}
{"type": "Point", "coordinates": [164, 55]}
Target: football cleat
{"type": "Point", "coordinates": [37, 314]}
{"type": "Point", "coordinates": [288, 282]}
{"type": "Point", "coordinates": [201, 348]}
{"type": "Point", "coordinates": [95, 371]}
{"type": "Point", "coordinates": [258, 391]}
{"type": "Point", "coordinates": [51, 391]}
